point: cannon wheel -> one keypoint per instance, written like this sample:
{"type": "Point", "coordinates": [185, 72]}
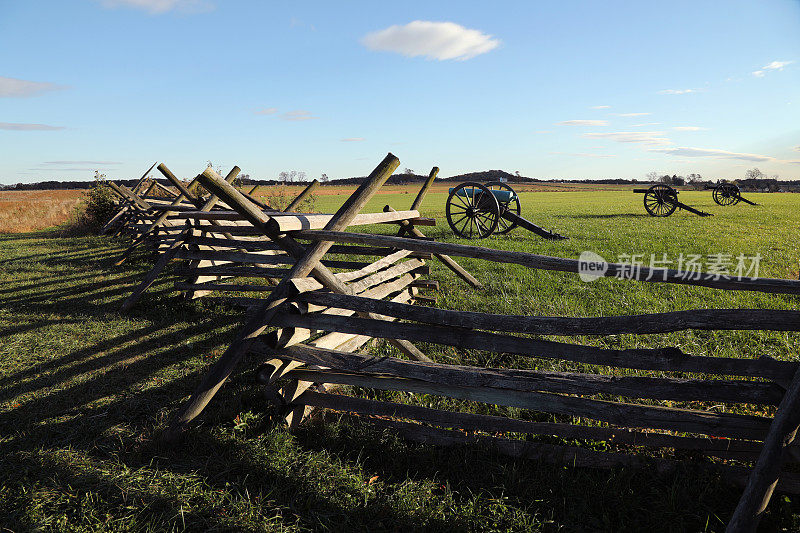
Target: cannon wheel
{"type": "Point", "coordinates": [726, 194]}
{"type": "Point", "coordinates": [472, 210]}
{"type": "Point", "coordinates": [503, 225]}
{"type": "Point", "coordinates": [660, 200]}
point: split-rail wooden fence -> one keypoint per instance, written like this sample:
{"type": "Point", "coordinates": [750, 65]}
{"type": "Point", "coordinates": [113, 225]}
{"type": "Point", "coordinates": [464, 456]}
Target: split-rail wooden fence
{"type": "Point", "coordinates": [309, 323]}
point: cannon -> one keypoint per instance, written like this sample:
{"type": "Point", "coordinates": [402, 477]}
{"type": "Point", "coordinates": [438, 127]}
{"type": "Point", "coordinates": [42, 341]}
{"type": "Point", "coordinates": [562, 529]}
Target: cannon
{"type": "Point", "coordinates": [477, 210]}
{"type": "Point", "coordinates": [726, 194]}
{"type": "Point", "coordinates": [662, 200]}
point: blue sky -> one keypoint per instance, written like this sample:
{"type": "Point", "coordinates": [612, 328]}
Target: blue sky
{"type": "Point", "coordinates": [549, 89]}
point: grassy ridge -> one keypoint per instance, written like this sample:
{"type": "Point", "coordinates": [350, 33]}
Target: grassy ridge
{"type": "Point", "coordinates": [84, 391]}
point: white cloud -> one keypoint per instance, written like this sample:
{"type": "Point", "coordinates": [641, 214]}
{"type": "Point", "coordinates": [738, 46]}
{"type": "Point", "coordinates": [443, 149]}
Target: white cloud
{"type": "Point", "coordinates": [297, 115]}
{"type": "Point", "coordinates": [434, 40]}
{"type": "Point", "coordinates": [267, 111]}
{"type": "Point", "coordinates": [162, 6]}
{"type": "Point", "coordinates": [677, 91]}
{"type": "Point", "coordinates": [583, 154]}
{"type": "Point", "coordinates": [13, 126]}
{"type": "Point", "coordinates": [689, 128]}
{"type": "Point", "coordinates": [352, 139]}
{"type": "Point", "coordinates": [15, 88]}
{"type": "Point", "coordinates": [632, 114]}
{"type": "Point", "coordinates": [81, 163]}
{"type": "Point", "coordinates": [583, 123]}
{"type": "Point", "coordinates": [718, 154]}
{"type": "Point", "coordinates": [600, 107]}
{"type": "Point", "coordinates": [646, 137]}
{"type": "Point", "coordinates": [645, 124]}
{"type": "Point", "coordinates": [775, 65]}
{"type": "Point", "coordinates": [796, 148]}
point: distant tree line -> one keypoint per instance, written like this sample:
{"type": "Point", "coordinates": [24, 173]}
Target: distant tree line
{"type": "Point", "coordinates": [754, 180]}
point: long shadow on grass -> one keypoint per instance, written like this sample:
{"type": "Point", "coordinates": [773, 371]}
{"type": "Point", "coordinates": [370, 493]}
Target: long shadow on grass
{"type": "Point", "coordinates": [46, 234]}
{"type": "Point", "coordinates": [225, 466]}
{"type": "Point", "coordinates": [578, 498]}
{"type": "Point", "coordinates": [142, 349]}
{"type": "Point", "coordinates": [96, 257]}
{"type": "Point", "coordinates": [92, 300]}
{"type": "Point", "coordinates": [59, 278]}
{"type": "Point", "coordinates": [44, 255]}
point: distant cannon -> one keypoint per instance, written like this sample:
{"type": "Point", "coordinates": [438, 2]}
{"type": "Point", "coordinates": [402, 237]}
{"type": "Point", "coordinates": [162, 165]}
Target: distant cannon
{"type": "Point", "coordinates": [662, 200]}
{"type": "Point", "coordinates": [726, 194]}
{"type": "Point", "coordinates": [476, 210]}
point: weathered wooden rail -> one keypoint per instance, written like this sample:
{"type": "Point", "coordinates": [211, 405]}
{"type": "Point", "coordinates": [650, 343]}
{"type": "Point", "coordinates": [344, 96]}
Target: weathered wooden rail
{"type": "Point", "coordinates": [311, 313]}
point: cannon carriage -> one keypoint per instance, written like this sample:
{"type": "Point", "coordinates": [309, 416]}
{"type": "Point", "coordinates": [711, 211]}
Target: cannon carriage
{"type": "Point", "coordinates": [726, 194]}
{"type": "Point", "coordinates": [661, 200]}
{"type": "Point", "coordinates": [475, 210]}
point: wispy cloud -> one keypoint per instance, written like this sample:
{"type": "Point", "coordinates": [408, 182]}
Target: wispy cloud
{"type": "Point", "coordinates": [16, 88]}
{"type": "Point", "coordinates": [297, 115]}
{"type": "Point", "coordinates": [643, 124]}
{"type": "Point", "coordinates": [162, 6]}
{"type": "Point", "coordinates": [645, 137]}
{"type": "Point", "coordinates": [796, 148]}
{"type": "Point", "coordinates": [68, 169]}
{"type": "Point", "coordinates": [266, 111]}
{"type": "Point", "coordinates": [295, 22]}
{"type": "Point", "coordinates": [82, 163]}
{"type": "Point", "coordinates": [775, 65]}
{"type": "Point", "coordinates": [583, 123]}
{"type": "Point", "coordinates": [677, 91]}
{"type": "Point", "coordinates": [13, 126]}
{"type": "Point", "coordinates": [706, 152]}
{"type": "Point", "coordinates": [600, 107]}
{"type": "Point", "coordinates": [688, 128]}
{"type": "Point", "coordinates": [603, 156]}
{"type": "Point", "coordinates": [352, 139]}
{"type": "Point", "coordinates": [434, 40]}
{"type": "Point", "coordinates": [632, 114]}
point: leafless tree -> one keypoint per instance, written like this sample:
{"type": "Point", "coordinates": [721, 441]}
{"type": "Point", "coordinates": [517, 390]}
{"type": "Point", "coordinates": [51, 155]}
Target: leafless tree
{"type": "Point", "coordinates": [290, 176]}
{"type": "Point", "coordinates": [754, 174]}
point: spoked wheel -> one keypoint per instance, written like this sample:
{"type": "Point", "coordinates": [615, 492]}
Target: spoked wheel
{"type": "Point", "coordinates": [512, 205]}
{"type": "Point", "coordinates": [660, 200]}
{"type": "Point", "coordinates": [472, 210]}
{"type": "Point", "coordinates": [726, 194]}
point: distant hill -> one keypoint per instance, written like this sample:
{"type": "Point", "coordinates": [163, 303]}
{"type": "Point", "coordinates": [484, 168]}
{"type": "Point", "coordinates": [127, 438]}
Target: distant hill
{"type": "Point", "coordinates": [489, 175]}
{"type": "Point", "coordinates": [482, 176]}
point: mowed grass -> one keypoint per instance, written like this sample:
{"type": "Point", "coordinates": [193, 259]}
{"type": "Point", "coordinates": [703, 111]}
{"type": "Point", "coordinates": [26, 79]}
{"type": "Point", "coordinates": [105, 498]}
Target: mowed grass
{"type": "Point", "coordinates": [85, 391]}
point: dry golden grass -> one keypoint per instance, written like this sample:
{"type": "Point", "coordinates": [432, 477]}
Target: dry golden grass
{"type": "Point", "coordinates": [22, 211]}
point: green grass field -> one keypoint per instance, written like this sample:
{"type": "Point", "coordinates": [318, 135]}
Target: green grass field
{"type": "Point", "coordinates": [85, 391]}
